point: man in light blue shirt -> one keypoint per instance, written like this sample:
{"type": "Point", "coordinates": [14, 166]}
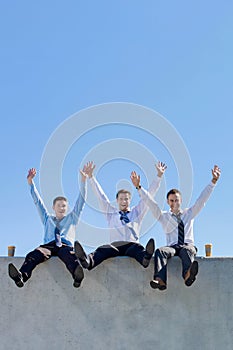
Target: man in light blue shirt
{"type": "Point", "coordinates": [178, 227]}
{"type": "Point", "coordinates": [124, 224]}
{"type": "Point", "coordinates": [59, 234]}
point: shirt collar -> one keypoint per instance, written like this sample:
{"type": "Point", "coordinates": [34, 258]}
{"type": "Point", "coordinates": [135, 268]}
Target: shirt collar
{"type": "Point", "coordinates": [176, 215]}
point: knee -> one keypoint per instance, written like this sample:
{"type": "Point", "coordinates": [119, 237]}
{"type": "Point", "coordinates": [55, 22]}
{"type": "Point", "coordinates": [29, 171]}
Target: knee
{"type": "Point", "coordinates": [159, 252]}
{"type": "Point", "coordinates": [108, 248]}
{"type": "Point", "coordinates": [35, 255]}
{"type": "Point", "coordinates": [191, 250]}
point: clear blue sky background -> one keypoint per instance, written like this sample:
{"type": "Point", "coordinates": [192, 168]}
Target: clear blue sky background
{"type": "Point", "coordinates": [59, 57]}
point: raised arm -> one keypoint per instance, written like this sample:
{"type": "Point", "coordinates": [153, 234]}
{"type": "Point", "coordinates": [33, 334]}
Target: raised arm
{"type": "Point", "coordinates": [31, 175]}
{"type": "Point", "coordinates": [83, 193]}
{"type": "Point", "coordinates": [142, 207]}
{"type": "Point", "coordinates": [36, 196]}
{"type": "Point", "coordinates": [101, 196]}
{"type": "Point", "coordinates": [145, 196]}
{"type": "Point", "coordinates": [205, 194]}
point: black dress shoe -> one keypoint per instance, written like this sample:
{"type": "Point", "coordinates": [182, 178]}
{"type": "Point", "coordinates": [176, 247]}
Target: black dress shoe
{"type": "Point", "coordinates": [78, 276]}
{"type": "Point", "coordinates": [16, 275]}
{"type": "Point", "coordinates": [158, 284]}
{"type": "Point", "coordinates": [191, 274]}
{"type": "Point", "coordinates": [81, 255]}
{"type": "Point", "coordinates": [150, 248]}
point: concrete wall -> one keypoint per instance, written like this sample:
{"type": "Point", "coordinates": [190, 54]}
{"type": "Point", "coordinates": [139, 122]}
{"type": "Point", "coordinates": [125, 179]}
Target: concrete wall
{"type": "Point", "coordinates": [115, 308]}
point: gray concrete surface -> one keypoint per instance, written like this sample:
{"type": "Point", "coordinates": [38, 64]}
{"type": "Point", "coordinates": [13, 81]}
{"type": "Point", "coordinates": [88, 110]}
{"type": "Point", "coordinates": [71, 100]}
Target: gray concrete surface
{"type": "Point", "coordinates": [115, 308]}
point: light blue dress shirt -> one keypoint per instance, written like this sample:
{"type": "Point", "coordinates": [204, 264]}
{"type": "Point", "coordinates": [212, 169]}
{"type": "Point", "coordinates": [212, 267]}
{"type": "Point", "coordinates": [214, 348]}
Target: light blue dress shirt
{"type": "Point", "coordinates": [67, 225]}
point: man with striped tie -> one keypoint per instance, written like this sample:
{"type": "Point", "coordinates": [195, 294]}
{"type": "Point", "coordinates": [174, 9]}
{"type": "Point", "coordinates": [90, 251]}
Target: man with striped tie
{"type": "Point", "coordinates": [177, 224]}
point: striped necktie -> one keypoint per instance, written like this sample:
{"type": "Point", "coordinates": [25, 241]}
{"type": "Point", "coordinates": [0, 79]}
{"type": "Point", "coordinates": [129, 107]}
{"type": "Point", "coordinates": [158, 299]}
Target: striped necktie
{"type": "Point", "coordinates": [180, 231]}
{"type": "Point", "coordinates": [57, 233]}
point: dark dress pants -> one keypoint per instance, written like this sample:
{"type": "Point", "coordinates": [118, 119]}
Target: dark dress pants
{"type": "Point", "coordinates": [185, 252]}
{"type": "Point", "coordinates": [118, 248]}
{"type": "Point", "coordinates": [43, 253]}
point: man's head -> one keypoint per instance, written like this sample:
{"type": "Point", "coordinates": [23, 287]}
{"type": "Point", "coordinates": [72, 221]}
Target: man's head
{"type": "Point", "coordinates": [174, 200]}
{"type": "Point", "coordinates": [123, 198]}
{"type": "Point", "coordinates": [60, 207]}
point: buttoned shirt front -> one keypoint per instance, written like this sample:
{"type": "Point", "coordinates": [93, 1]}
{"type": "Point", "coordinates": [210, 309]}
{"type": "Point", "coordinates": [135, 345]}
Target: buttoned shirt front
{"type": "Point", "coordinates": [67, 226]}
{"type": "Point", "coordinates": [170, 223]}
{"type": "Point", "coordinates": [120, 231]}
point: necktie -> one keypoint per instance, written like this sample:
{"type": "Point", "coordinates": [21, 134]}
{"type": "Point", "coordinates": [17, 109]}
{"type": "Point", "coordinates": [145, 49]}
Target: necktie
{"type": "Point", "coordinates": [57, 234]}
{"type": "Point", "coordinates": [124, 217]}
{"type": "Point", "coordinates": [180, 232]}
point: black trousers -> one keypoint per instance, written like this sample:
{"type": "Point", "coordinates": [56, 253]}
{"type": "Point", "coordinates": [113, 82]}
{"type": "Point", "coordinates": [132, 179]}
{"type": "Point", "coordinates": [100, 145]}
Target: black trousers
{"type": "Point", "coordinates": [185, 252]}
{"type": "Point", "coordinates": [118, 248]}
{"type": "Point", "coordinates": [43, 253]}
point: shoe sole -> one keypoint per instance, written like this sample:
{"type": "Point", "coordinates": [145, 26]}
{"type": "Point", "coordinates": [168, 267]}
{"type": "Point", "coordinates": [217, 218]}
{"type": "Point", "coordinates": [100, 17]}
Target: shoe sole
{"type": "Point", "coordinates": [150, 248]}
{"type": "Point", "coordinates": [80, 254]}
{"type": "Point", "coordinates": [78, 276]}
{"type": "Point", "coordinates": [156, 285]}
{"type": "Point", "coordinates": [15, 275]}
{"type": "Point", "coordinates": [193, 273]}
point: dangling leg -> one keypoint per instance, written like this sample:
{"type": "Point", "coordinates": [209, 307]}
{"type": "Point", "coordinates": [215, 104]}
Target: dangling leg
{"type": "Point", "coordinates": [95, 258]}
{"type": "Point", "coordinates": [189, 266]}
{"type": "Point", "coordinates": [160, 267]}
{"type": "Point", "coordinates": [137, 251]}
{"type": "Point", "coordinates": [34, 258]}
{"type": "Point", "coordinates": [67, 255]}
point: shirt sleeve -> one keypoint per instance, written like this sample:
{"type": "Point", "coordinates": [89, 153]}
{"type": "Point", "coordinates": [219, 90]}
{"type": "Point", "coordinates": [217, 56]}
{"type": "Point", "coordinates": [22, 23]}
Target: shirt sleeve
{"type": "Point", "coordinates": [142, 207]}
{"type": "Point", "coordinates": [43, 212]}
{"type": "Point", "coordinates": [79, 205]}
{"type": "Point", "coordinates": [202, 199]}
{"type": "Point", "coordinates": [154, 186]}
{"type": "Point", "coordinates": [103, 200]}
{"type": "Point", "coordinates": [150, 202]}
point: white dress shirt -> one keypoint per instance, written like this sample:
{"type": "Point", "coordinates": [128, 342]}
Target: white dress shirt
{"type": "Point", "coordinates": [119, 231]}
{"type": "Point", "coordinates": [169, 222]}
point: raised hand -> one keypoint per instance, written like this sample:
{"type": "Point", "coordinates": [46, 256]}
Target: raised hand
{"type": "Point", "coordinates": [88, 170]}
{"type": "Point", "coordinates": [161, 167]}
{"type": "Point", "coordinates": [31, 175]}
{"type": "Point", "coordinates": [216, 172]}
{"type": "Point", "coordinates": [135, 178]}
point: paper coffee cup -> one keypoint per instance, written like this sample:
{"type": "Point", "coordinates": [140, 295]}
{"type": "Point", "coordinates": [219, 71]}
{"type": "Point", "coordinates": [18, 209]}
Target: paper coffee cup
{"type": "Point", "coordinates": [11, 250]}
{"type": "Point", "coordinates": [208, 249]}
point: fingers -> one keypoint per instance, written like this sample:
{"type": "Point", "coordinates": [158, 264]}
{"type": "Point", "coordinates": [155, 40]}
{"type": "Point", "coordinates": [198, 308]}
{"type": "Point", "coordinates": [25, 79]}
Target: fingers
{"type": "Point", "coordinates": [216, 170]}
{"type": "Point", "coordinates": [31, 172]}
{"type": "Point", "coordinates": [135, 178]}
{"type": "Point", "coordinates": [161, 166]}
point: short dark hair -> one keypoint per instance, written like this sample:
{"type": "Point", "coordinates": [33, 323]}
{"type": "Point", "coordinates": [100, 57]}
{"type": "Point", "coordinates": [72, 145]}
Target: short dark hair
{"type": "Point", "coordinates": [60, 198]}
{"type": "Point", "coordinates": [123, 191]}
{"type": "Point", "coordinates": [173, 191]}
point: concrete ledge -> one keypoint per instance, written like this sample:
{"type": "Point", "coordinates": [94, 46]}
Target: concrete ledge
{"type": "Point", "coordinates": [115, 308]}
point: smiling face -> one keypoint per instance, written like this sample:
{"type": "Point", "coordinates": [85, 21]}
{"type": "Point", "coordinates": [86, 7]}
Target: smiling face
{"type": "Point", "coordinates": [174, 201]}
{"type": "Point", "coordinates": [60, 208]}
{"type": "Point", "coordinates": [123, 201]}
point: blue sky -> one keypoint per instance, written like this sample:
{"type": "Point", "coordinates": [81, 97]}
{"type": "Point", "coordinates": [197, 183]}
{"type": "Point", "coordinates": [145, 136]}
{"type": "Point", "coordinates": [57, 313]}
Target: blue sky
{"type": "Point", "coordinates": [59, 58]}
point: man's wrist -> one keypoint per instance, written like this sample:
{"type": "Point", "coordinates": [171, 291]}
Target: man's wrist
{"type": "Point", "coordinates": [138, 187]}
{"type": "Point", "coordinates": [214, 180]}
